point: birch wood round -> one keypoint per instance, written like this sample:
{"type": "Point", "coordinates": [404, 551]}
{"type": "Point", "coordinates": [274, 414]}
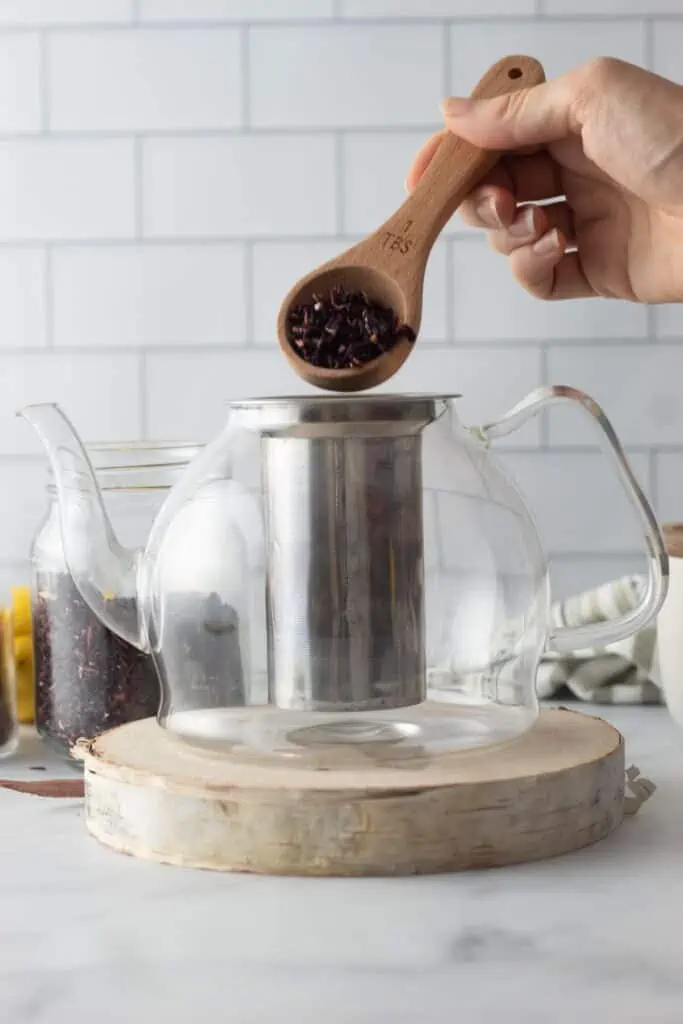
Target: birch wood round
{"type": "Point", "coordinates": [390, 264]}
{"type": "Point", "coordinates": [558, 788]}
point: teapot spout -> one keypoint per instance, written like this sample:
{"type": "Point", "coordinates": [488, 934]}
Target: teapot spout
{"type": "Point", "coordinates": [101, 568]}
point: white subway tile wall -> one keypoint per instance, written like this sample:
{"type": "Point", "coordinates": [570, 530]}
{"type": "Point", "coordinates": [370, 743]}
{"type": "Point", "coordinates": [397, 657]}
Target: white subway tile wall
{"type": "Point", "coordinates": [153, 295]}
{"type": "Point", "coordinates": [23, 298]}
{"type": "Point", "coordinates": [668, 38]}
{"type": "Point", "coordinates": [234, 10]}
{"type": "Point", "coordinates": [613, 8]}
{"type": "Point", "coordinates": [559, 45]}
{"type": "Point", "coordinates": [20, 99]}
{"type": "Point", "coordinates": [100, 391]}
{"type": "Point", "coordinates": [488, 305]}
{"type": "Point", "coordinates": [52, 13]}
{"type": "Point", "coordinates": [66, 189]}
{"type": "Point", "coordinates": [132, 81]}
{"type": "Point", "coordinates": [247, 185]}
{"type": "Point", "coordinates": [169, 167]}
{"type": "Point", "coordinates": [433, 8]}
{"type": "Point", "coordinates": [345, 76]}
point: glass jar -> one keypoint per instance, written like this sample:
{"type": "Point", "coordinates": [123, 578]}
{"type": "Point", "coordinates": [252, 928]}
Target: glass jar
{"type": "Point", "coordinates": [88, 679]}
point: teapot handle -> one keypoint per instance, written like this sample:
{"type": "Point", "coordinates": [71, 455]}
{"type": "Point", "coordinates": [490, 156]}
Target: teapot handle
{"type": "Point", "coordinates": [599, 634]}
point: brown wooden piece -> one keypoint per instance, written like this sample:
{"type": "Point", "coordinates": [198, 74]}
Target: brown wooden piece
{"type": "Point", "coordinates": [389, 265]}
{"type": "Point", "coordinates": [61, 788]}
{"type": "Point", "coordinates": [557, 788]}
{"type": "Point", "coordinates": [673, 538]}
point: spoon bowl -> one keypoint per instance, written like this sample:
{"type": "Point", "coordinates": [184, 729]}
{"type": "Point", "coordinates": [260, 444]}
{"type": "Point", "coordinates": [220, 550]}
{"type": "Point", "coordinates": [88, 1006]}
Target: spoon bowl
{"type": "Point", "coordinates": [389, 265]}
{"type": "Point", "coordinates": [377, 285]}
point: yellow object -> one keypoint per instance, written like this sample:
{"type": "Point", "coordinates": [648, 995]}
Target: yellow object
{"type": "Point", "coordinates": [20, 613]}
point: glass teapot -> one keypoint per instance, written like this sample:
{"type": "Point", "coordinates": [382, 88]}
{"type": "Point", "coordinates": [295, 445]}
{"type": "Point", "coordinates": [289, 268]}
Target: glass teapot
{"type": "Point", "coordinates": [337, 578]}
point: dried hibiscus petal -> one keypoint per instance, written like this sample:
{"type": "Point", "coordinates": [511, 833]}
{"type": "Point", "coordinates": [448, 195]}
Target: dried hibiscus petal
{"type": "Point", "coordinates": [88, 680]}
{"type": "Point", "coordinates": [344, 329]}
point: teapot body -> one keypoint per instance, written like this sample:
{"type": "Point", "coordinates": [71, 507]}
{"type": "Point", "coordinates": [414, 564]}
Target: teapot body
{"type": "Point", "coordinates": [337, 578]}
{"type": "Point", "coordinates": [359, 567]}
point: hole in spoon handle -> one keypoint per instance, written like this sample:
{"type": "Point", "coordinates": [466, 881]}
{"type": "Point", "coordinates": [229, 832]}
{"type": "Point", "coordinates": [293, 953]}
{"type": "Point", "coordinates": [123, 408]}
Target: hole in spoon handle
{"type": "Point", "coordinates": [509, 75]}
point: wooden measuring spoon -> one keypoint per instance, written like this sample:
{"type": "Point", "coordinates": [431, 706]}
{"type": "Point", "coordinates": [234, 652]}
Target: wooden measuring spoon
{"type": "Point", "coordinates": [389, 265]}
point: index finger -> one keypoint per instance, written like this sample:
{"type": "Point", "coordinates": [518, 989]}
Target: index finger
{"type": "Point", "coordinates": [426, 153]}
{"type": "Point", "coordinates": [422, 159]}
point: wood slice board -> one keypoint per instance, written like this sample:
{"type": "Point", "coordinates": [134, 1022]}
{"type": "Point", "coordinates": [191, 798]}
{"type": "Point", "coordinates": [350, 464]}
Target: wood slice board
{"type": "Point", "coordinates": [557, 788]}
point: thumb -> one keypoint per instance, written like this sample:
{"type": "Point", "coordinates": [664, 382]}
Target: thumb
{"type": "Point", "coordinates": [530, 117]}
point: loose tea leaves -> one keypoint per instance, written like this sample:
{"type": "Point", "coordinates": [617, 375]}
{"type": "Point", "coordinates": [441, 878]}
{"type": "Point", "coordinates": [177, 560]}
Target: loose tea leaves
{"type": "Point", "coordinates": [89, 680]}
{"type": "Point", "coordinates": [201, 646]}
{"type": "Point", "coordinates": [344, 329]}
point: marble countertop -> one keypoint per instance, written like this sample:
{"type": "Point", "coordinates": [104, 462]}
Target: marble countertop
{"type": "Point", "coordinates": [90, 935]}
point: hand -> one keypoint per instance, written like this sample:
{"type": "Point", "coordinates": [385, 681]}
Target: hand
{"type": "Point", "coordinates": [608, 139]}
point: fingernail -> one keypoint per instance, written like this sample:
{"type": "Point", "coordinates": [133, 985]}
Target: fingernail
{"type": "Point", "coordinates": [487, 212]}
{"type": "Point", "coordinates": [454, 106]}
{"type": "Point", "coordinates": [523, 225]}
{"type": "Point", "coordinates": [548, 243]}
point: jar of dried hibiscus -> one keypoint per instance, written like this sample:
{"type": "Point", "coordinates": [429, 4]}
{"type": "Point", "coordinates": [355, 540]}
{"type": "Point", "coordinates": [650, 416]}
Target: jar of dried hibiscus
{"type": "Point", "coordinates": [87, 679]}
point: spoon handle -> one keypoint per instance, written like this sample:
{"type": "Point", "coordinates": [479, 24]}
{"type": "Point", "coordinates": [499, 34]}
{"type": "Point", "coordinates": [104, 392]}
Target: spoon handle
{"type": "Point", "coordinates": [454, 170]}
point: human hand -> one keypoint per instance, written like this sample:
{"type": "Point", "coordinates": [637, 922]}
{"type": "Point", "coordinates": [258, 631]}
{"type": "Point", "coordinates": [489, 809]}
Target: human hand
{"type": "Point", "coordinates": [608, 137]}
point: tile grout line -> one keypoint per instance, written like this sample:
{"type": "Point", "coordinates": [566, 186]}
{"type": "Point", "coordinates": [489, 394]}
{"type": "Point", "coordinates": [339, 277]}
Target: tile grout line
{"type": "Point", "coordinates": [446, 57]}
{"type": "Point", "coordinates": [651, 325]}
{"type": "Point", "coordinates": [450, 293]}
{"type": "Point", "coordinates": [138, 188]}
{"type": "Point", "coordinates": [543, 424]}
{"type": "Point", "coordinates": [331, 21]}
{"type": "Point", "coordinates": [435, 345]}
{"type": "Point", "coordinates": [142, 396]}
{"type": "Point", "coordinates": [296, 132]}
{"type": "Point", "coordinates": [649, 43]}
{"type": "Point", "coordinates": [228, 133]}
{"type": "Point", "coordinates": [245, 56]}
{"type": "Point", "coordinates": [339, 181]}
{"type": "Point", "coordinates": [48, 298]}
{"type": "Point", "coordinates": [44, 84]}
{"type": "Point", "coordinates": [285, 238]}
{"type": "Point", "coordinates": [653, 477]}
{"type": "Point", "coordinates": [567, 556]}
{"type": "Point", "coordinates": [249, 295]}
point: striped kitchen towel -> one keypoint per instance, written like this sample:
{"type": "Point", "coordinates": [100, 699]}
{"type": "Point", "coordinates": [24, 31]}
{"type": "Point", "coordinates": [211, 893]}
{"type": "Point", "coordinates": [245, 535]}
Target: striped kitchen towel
{"type": "Point", "coordinates": [626, 672]}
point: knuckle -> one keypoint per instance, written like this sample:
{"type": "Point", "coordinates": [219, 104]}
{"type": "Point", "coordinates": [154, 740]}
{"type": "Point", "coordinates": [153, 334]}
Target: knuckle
{"type": "Point", "coordinates": [589, 83]}
{"type": "Point", "coordinates": [511, 106]}
{"type": "Point", "coordinates": [601, 71]}
{"type": "Point", "coordinates": [518, 111]}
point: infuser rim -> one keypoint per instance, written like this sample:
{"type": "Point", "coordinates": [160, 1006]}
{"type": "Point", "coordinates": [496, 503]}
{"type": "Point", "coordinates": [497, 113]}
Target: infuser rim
{"type": "Point", "coordinates": [341, 414]}
{"type": "Point", "coordinates": [340, 399]}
